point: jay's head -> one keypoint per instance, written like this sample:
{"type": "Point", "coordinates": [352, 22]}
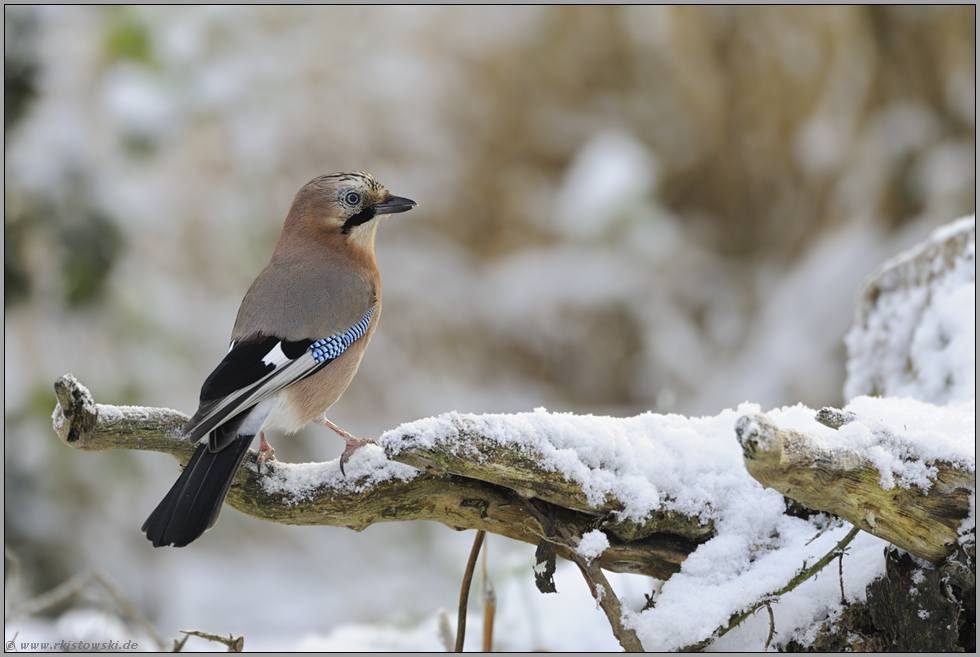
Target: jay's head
{"type": "Point", "coordinates": [347, 204]}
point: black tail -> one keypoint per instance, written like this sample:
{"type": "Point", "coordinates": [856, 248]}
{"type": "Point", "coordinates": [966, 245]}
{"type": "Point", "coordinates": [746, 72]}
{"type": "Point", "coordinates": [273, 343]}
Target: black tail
{"type": "Point", "coordinates": [193, 504]}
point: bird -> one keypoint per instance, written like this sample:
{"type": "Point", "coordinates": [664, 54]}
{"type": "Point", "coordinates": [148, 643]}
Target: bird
{"type": "Point", "coordinates": [298, 339]}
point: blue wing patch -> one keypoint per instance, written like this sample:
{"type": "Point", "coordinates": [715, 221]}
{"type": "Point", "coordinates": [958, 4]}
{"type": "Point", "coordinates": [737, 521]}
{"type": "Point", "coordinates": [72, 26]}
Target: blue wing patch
{"type": "Point", "coordinates": [329, 348]}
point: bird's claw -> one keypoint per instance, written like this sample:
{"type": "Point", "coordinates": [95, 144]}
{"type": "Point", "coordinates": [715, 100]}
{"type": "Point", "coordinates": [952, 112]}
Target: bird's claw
{"type": "Point", "coordinates": [353, 444]}
{"type": "Point", "coordinates": [266, 452]}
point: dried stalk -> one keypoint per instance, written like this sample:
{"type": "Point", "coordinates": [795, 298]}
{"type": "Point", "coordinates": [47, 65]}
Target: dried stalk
{"type": "Point", "coordinates": [464, 593]}
{"type": "Point", "coordinates": [234, 644]}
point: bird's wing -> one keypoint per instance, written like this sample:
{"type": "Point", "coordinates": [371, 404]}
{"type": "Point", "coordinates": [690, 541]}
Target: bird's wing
{"type": "Point", "coordinates": [256, 368]}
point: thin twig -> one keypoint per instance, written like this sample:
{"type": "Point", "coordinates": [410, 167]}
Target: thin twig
{"type": "Point", "coordinates": [559, 535]}
{"type": "Point", "coordinates": [606, 599]}
{"type": "Point", "coordinates": [128, 609]}
{"type": "Point", "coordinates": [74, 586]}
{"type": "Point", "coordinates": [489, 605]}
{"type": "Point", "coordinates": [464, 593]}
{"type": "Point", "coordinates": [179, 644]}
{"type": "Point", "coordinates": [234, 645]}
{"type": "Point", "coordinates": [772, 627]}
{"type": "Point", "coordinates": [840, 571]}
{"type": "Point", "coordinates": [830, 523]}
{"type": "Point", "coordinates": [801, 577]}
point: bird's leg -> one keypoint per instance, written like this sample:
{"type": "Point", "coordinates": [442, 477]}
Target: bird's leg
{"type": "Point", "coordinates": [353, 443]}
{"type": "Point", "coordinates": [266, 453]}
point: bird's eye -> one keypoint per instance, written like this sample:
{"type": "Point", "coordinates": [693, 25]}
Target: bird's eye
{"type": "Point", "coordinates": [353, 198]}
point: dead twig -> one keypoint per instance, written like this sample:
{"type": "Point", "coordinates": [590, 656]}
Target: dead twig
{"type": "Point", "coordinates": [840, 572]}
{"type": "Point", "coordinates": [234, 644]}
{"type": "Point", "coordinates": [464, 594]}
{"type": "Point", "coordinates": [489, 606]}
{"type": "Point", "coordinates": [75, 586]}
{"type": "Point", "coordinates": [606, 598]}
{"type": "Point", "coordinates": [558, 534]}
{"type": "Point", "coordinates": [800, 577]}
{"type": "Point", "coordinates": [772, 627]}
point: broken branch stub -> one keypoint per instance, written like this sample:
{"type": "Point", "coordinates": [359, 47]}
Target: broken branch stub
{"type": "Point", "coordinates": [924, 522]}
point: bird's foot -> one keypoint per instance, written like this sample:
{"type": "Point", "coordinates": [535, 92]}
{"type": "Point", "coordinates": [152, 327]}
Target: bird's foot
{"type": "Point", "coordinates": [266, 453]}
{"type": "Point", "coordinates": [352, 446]}
{"type": "Point", "coordinates": [352, 442]}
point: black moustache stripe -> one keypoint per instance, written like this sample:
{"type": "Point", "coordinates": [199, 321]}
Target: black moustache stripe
{"type": "Point", "coordinates": [362, 217]}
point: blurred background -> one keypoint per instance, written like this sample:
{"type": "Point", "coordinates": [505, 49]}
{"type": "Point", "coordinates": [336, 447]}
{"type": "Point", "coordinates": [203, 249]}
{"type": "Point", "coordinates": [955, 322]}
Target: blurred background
{"type": "Point", "coordinates": [620, 210]}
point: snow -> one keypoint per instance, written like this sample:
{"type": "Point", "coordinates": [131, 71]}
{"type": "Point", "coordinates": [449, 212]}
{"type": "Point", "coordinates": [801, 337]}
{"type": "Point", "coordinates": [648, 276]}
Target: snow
{"type": "Point", "coordinates": [366, 468]}
{"type": "Point", "coordinates": [77, 630]}
{"type": "Point", "coordinates": [689, 465]}
{"type": "Point", "coordinates": [915, 331]}
{"type": "Point", "coordinates": [610, 173]}
{"type": "Point", "coordinates": [694, 466]}
{"type": "Point", "coordinates": [592, 545]}
{"type": "Point", "coordinates": [58, 418]}
{"type": "Point", "coordinates": [109, 412]}
{"type": "Point", "coordinates": [423, 637]}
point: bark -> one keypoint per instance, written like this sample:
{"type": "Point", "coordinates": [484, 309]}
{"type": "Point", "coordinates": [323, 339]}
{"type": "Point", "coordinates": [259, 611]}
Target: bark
{"type": "Point", "coordinates": [925, 522]}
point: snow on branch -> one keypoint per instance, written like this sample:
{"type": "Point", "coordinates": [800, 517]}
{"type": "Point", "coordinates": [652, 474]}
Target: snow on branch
{"type": "Point", "coordinates": [919, 510]}
{"type": "Point", "coordinates": [377, 490]}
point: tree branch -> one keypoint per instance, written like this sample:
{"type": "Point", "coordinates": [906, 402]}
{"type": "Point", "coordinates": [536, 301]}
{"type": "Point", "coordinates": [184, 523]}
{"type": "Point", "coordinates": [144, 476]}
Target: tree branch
{"type": "Point", "coordinates": [847, 483]}
{"type": "Point", "coordinates": [461, 501]}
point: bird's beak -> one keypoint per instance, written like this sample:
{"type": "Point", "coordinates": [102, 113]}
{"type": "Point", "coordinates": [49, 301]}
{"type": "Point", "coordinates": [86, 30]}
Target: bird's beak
{"type": "Point", "coordinates": [393, 205]}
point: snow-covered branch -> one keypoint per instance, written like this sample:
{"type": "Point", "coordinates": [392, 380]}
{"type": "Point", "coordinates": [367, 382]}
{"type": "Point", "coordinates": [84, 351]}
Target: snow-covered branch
{"type": "Point", "coordinates": [380, 491]}
{"type": "Point", "coordinates": [466, 473]}
{"type": "Point", "coordinates": [914, 505]}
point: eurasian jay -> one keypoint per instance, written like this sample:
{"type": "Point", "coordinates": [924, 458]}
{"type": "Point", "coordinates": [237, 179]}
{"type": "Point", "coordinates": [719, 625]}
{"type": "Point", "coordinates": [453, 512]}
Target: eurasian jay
{"type": "Point", "coordinates": [298, 340]}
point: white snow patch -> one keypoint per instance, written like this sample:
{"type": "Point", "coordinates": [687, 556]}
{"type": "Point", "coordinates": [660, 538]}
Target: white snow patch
{"type": "Point", "coordinates": [110, 412]}
{"type": "Point", "coordinates": [916, 336]}
{"type": "Point", "coordinates": [593, 544]}
{"type": "Point", "coordinates": [366, 468]}
{"type": "Point", "coordinates": [612, 172]}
